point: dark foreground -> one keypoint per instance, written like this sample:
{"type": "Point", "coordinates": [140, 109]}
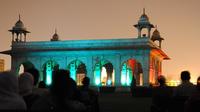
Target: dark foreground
{"type": "Point", "coordinates": [123, 102]}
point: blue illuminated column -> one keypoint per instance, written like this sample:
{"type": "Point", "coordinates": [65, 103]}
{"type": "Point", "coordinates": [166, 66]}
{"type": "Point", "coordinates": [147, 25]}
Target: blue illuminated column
{"type": "Point", "coordinates": [73, 70]}
{"type": "Point", "coordinates": [97, 74]}
{"type": "Point", "coordinates": [123, 74]}
{"type": "Point", "coordinates": [49, 69]}
{"type": "Point", "coordinates": [129, 77]}
{"type": "Point", "coordinates": [126, 75]}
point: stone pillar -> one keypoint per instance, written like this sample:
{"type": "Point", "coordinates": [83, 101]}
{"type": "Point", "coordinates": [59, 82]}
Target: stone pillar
{"type": "Point", "coordinates": [145, 75]}
{"type": "Point", "coordinates": [117, 68]}
{"type": "Point", "coordinates": [139, 32]}
{"type": "Point", "coordinates": [14, 64]}
{"type": "Point", "coordinates": [149, 32]}
{"type": "Point", "coordinates": [89, 68]}
{"type": "Point", "coordinates": [146, 68]}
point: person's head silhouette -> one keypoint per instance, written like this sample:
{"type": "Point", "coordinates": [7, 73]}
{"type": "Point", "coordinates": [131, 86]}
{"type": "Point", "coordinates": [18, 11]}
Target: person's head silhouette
{"type": "Point", "coordinates": [161, 80]}
{"type": "Point", "coordinates": [86, 81]}
{"type": "Point", "coordinates": [198, 83]}
{"type": "Point", "coordinates": [185, 76]}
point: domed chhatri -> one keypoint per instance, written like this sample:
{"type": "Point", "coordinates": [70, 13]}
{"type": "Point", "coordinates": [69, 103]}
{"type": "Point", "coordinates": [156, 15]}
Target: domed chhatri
{"type": "Point", "coordinates": [156, 37]}
{"type": "Point", "coordinates": [55, 36]}
{"type": "Point", "coordinates": [19, 30]}
{"type": "Point", "coordinates": [144, 23]}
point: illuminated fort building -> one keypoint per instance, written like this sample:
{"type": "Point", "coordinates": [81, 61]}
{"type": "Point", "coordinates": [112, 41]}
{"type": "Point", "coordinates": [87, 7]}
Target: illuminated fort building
{"type": "Point", "coordinates": [107, 62]}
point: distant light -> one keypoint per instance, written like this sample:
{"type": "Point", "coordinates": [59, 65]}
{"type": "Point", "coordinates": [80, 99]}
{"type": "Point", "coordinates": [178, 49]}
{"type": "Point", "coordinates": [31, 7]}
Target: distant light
{"type": "Point", "coordinates": [173, 82]}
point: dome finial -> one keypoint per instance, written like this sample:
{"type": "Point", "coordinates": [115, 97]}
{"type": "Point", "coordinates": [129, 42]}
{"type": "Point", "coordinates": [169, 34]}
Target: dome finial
{"type": "Point", "coordinates": [55, 30]}
{"type": "Point", "coordinates": [156, 26]}
{"type": "Point", "coordinates": [19, 17]}
{"type": "Point", "coordinates": [143, 10]}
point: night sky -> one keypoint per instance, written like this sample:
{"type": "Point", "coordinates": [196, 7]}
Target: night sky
{"type": "Point", "coordinates": [178, 22]}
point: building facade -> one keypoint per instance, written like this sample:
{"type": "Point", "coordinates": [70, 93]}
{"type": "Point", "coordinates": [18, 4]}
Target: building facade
{"type": "Point", "coordinates": [107, 62]}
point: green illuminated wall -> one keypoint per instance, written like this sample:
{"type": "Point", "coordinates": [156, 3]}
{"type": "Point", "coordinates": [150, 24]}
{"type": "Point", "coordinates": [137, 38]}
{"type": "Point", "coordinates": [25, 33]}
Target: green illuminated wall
{"type": "Point", "coordinates": [126, 75]}
{"type": "Point", "coordinates": [48, 70]}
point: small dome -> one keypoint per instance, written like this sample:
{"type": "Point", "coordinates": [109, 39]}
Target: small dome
{"type": "Point", "coordinates": [55, 36]}
{"type": "Point", "coordinates": [144, 19]}
{"type": "Point", "coordinates": [144, 22]}
{"type": "Point", "coordinates": [156, 36]}
{"type": "Point", "coordinates": [19, 24]}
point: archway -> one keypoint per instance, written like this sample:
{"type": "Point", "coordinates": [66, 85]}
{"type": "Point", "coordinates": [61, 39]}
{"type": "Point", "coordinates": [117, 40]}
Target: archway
{"type": "Point", "coordinates": [24, 66]}
{"type": "Point", "coordinates": [131, 69]}
{"type": "Point", "coordinates": [104, 73]}
{"type": "Point", "coordinates": [77, 71]}
{"type": "Point", "coordinates": [48, 69]}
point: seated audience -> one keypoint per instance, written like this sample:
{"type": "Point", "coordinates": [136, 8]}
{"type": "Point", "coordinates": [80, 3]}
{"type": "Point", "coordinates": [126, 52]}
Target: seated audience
{"type": "Point", "coordinates": [58, 98]}
{"type": "Point", "coordinates": [26, 89]}
{"type": "Point", "coordinates": [9, 96]}
{"type": "Point", "coordinates": [88, 96]}
{"type": "Point", "coordinates": [161, 96]}
{"type": "Point", "coordinates": [186, 88]}
{"type": "Point", "coordinates": [42, 84]}
{"type": "Point", "coordinates": [35, 73]}
{"type": "Point", "coordinates": [193, 102]}
{"type": "Point", "coordinates": [182, 92]}
{"type": "Point", "coordinates": [133, 85]}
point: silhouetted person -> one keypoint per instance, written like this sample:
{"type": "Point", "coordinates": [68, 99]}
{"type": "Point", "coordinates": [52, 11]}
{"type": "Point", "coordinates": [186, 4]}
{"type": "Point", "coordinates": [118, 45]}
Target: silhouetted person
{"type": "Point", "coordinates": [59, 98]}
{"type": "Point", "coordinates": [133, 85]}
{"type": "Point", "coordinates": [26, 81]}
{"type": "Point", "coordinates": [42, 84]}
{"type": "Point", "coordinates": [182, 92]}
{"type": "Point", "coordinates": [193, 102]}
{"type": "Point", "coordinates": [56, 100]}
{"type": "Point", "coordinates": [9, 96]}
{"type": "Point", "coordinates": [35, 73]}
{"type": "Point", "coordinates": [186, 88]}
{"type": "Point", "coordinates": [161, 96]}
{"type": "Point", "coordinates": [88, 96]}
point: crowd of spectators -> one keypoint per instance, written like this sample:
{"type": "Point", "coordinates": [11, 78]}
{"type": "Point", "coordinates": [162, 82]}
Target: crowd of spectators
{"type": "Point", "coordinates": [183, 98]}
{"type": "Point", "coordinates": [24, 93]}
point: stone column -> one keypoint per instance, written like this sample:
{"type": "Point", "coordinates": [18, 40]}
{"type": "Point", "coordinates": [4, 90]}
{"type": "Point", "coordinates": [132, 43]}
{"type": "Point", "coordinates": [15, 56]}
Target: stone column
{"type": "Point", "coordinates": [149, 32]}
{"type": "Point", "coordinates": [14, 64]}
{"type": "Point", "coordinates": [139, 32]}
{"type": "Point", "coordinates": [89, 68]}
{"type": "Point", "coordinates": [146, 67]}
{"type": "Point", "coordinates": [117, 68]}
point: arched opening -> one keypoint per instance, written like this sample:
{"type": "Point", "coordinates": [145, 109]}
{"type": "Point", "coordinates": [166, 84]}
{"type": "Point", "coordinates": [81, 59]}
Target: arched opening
{"type": "Point", "coordinates": [48, 69]}
{"type": "Point", "coordinates": [144, 32]}
{"type": "Point", "coordinates": [131, 69]}
{"type": "Point", "coordinates": [24, 66]}
{"type": "Point", "coordinates": [77, 71]}
{"type": "Point", "coordinates": [104, 73]}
